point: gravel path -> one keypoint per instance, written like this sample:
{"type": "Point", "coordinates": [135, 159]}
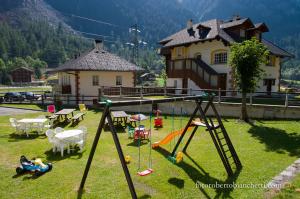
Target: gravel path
{"type": "Point", "coordinates": [14, 111]}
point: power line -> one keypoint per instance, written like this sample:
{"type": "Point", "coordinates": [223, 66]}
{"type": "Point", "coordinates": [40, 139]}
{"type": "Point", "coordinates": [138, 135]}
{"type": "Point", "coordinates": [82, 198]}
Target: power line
{"type": "Point", "coordinates": [94, 34]}
{"type": "Point", "coordinates": [95, 20]}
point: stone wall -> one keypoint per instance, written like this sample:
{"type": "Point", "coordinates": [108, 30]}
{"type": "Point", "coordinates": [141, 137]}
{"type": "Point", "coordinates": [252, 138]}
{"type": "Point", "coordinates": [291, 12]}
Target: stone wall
{"type": "Point", "coordinates": [224, 109]}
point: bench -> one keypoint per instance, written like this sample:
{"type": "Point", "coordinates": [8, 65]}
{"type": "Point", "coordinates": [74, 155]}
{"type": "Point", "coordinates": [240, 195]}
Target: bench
{"type": "Point", "coordinates": [53, 117]}
{"type": "Point", "coordinates": [77, 117]}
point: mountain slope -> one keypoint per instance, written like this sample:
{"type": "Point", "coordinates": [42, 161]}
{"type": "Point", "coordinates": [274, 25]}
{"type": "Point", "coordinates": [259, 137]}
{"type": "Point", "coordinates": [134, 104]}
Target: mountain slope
{"type": "Point", "coordinates": [155, 18]}
{"type": "Point", "coordinates": [32, 28]}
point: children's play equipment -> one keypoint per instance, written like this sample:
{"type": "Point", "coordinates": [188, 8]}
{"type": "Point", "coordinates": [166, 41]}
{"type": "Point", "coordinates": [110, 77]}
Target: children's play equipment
{"type": "Point", "coordinates": [127, 159]}
{"type": "Point", "coordinates": [158, 121]}
{"type": "Point", "coordinates": [218, 134]}
{"type": "Point", "coordinates": [169, 138]}
{"type": "Point", "coordinates": [130, 131]}
{"type": "Point", "coordinates": [142, 133]}
{"type": "Point", "coordinates": [37, 167]}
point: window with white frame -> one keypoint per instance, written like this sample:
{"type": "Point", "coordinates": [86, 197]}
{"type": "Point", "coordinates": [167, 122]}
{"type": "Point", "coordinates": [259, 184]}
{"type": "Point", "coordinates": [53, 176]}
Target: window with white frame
{"type": "Point", "coordinates": [175, 83]}
{"type": "Point", "coordinates": [220, 58]}
{"type": "Point", "coordinates": [95, 80]}
{"type": "Point", "coordinates": [119, 80]}
{"type": "Point", "coordinates": [66, 80]}
{"type": "Point", "coordinates": [179, 51]}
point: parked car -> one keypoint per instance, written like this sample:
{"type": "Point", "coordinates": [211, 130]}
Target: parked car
{"type": "Point", "coordinates": [1, 100]}
{"type": "Point", "coordinates": [30, 95]}
{"type": "Point", "coordinates": [13, 96]}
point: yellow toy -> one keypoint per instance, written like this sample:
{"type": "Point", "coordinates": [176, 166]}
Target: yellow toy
{"type": "Point", "coordinates": [179, 157]}
{"type": "Point", "coordinates": [127, 159]}
{"type": "Point", "coordinates": [39, 162]}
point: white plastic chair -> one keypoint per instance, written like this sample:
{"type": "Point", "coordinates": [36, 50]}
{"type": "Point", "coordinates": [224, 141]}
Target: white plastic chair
{"type": "Point", "coordinates": [58, 130]}
{"type": "Point", "coordinates": [49, 125]}
{"type": "Point", "coordinates": [14, 124]}
{"type": "Point", "coordinates": [25, 128]}
{"type": "Point", "coordinates": [82, 137]}
{"type": "Point", "coordinates": [83, 128]}
{"type": "Point", "coordinates": [20, 127]}
{"type": "Point", "coordinates": [51, 137]}
{"type": "Point", "coordinates": [58, 145]}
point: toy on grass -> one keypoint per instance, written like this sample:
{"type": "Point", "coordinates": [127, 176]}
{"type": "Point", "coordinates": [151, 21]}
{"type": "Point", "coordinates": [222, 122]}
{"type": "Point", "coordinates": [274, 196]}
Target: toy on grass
{"type": "Point", "coordinates": [37, 167]}
{"type": "Point", "coordinates": [158, 121]}
{"type": "Point", "coordinates": [141, 133]}
{"type": "Point", "coordinates": [127, 159]}
{"type": "Point", "coordinates": [130, 130]}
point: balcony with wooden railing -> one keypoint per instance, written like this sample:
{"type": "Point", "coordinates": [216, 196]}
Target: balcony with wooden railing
{"type": "Point", "coordinates": [197, 70]}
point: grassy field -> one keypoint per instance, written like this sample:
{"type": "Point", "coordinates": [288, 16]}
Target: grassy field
{"type": "Point", "coordinates": [265, 149]}
{"type": "Point", "coordinates": [24, 89]}
{"type": "Point", "coordinates": [25, 106]}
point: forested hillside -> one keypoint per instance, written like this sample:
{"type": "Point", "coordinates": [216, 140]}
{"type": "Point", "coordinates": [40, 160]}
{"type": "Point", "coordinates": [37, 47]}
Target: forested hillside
{"type": "Point", "coordinates": [54, 33]}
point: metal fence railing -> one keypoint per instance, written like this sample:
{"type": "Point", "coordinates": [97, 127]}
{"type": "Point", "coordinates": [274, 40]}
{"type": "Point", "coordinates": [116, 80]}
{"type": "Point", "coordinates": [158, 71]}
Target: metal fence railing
{"type": "Point", "coordinates": [221, 96]}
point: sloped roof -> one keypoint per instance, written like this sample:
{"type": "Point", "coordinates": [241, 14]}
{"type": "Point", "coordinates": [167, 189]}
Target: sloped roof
{"type": "Point", "coordinates": [274, 49]}
{"type": "Point", "coordinates": [183, 37]}
{"type": "Point", "coordinates": [218, 29]}
{"type": "Point", "coordinates": [98, 60]}
{"type": "Point", "coordinates": [23, 67]}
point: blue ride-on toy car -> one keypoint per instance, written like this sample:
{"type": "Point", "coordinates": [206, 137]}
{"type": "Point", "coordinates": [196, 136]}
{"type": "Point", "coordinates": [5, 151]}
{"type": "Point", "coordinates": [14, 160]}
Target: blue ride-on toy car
{"type": "Point", "coordinates": [37, 167]}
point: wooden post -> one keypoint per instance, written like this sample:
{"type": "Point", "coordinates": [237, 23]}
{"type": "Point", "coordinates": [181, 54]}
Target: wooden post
{"type": "Point", "coordinates": [43, 99]}
{"type": "Point", "coordinates": [141, 92]}
{"type": "Point", "coordinates": [120, 91]}
{"type": "Point", "coordinates": [219, 96]}
{"type": "Point", "coordinates": [251, 98]}
{"type": "Point", "coordinates": [82, 99]}
{"type": "Point", "coordinates": [286, 104]}
{"type": "Point", "coordinates": [165, 90]}
{"type": "Point", "coordinates": [68, 99]}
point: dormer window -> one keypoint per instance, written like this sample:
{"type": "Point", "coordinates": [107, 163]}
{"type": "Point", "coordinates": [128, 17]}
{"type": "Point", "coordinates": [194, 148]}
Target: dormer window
{"type": "Point", "coordinates": [203, 31]}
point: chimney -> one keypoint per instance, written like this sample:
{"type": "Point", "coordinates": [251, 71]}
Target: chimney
{"type": "Point", "coordinates": [236, 17]}
{"type": "Point", "coordinates": [190, 24]}
{"type": "Point", "coordinates": [98, 45]}
{"type": "Point", "coordinates": [190, 30]}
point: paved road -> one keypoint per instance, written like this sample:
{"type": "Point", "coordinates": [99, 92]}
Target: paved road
{"type": "Point", "coordinates": [14, 111]}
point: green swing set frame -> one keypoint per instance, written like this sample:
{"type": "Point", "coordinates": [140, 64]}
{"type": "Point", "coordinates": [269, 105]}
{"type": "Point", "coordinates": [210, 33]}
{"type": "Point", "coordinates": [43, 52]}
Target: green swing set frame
{"type": "Point", "coordinates": [213, 130]}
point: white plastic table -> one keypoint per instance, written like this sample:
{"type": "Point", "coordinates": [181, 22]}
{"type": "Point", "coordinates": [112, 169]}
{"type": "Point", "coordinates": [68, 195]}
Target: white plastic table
{"type": "Point", "coordinates": [65, 135]}
{"type": "Point", "coordinates": [33, 121]}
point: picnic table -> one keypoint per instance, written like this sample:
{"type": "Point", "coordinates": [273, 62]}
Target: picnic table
{"type": "Point", "coordinates": [64, 113]}
{"type": "Point", "coordinates": [119, 117]}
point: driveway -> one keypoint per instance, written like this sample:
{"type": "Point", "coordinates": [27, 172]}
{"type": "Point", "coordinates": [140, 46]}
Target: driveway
{"type": "Point", "coordinates": [14, 111]}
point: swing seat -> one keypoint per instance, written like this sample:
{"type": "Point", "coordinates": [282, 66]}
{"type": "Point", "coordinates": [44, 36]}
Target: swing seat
{"type": "Point", "coordinates": [146, 172]}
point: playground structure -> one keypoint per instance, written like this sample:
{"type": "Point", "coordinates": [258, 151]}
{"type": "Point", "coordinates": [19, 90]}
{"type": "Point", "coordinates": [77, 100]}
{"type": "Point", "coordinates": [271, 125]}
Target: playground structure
{"type": "Point", "coordinates": [158, 121]}
{"type": "Point", "coordinates": [218, 134]}
{"type": "Point", "coordinates": [168, 138]}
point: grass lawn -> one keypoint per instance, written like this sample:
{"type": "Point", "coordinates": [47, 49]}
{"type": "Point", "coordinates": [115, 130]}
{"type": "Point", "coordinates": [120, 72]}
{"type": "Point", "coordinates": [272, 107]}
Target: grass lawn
{"type": "Point", "coordinates": [24, 89]}
{"type": "Point", "coordinates": [25, 106]}
{"type": "Point", "coordinates": [264, 150]}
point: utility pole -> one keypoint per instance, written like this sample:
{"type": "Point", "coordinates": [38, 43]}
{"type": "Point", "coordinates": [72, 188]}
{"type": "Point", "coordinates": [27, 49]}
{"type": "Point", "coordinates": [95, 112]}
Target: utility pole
{"type": "Point", "coordinates": [134, 43]}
